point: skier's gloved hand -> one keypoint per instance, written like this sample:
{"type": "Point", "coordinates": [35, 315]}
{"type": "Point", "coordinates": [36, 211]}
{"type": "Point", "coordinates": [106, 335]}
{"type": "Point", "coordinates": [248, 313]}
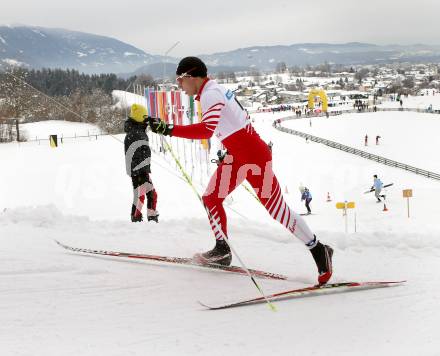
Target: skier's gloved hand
{"type": "Point", "coordinates": [160, 127]}
{"type": "Point", "coordinates": [221, 154]}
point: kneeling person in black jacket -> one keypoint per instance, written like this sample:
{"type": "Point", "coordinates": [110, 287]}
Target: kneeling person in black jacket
{"type": "Point", "coordinates": [137, 160]}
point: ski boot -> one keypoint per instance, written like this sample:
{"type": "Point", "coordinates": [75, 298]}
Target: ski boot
{"type": "Point", "coordinates": [136, 216]}
{"type": "Point", "coordinates": [153, 218]}
{"type": "Point", "coordinates": [220, 254]}
{"type": "Point", "coordinates": [153, 215]}
{"type": "Point", "coordinates": [322, 254]}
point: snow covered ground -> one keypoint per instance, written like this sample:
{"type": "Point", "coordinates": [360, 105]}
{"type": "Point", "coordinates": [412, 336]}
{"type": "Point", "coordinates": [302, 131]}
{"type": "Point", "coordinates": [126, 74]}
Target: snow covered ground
{"type": "Point", "coordinates": [54, 302]}
{"type": "Point", "coordinates": [415, 102]}
{"type": "Point", "coordinates": [42, 130]}
{"type": "Point", "coordinates": [404, 136]}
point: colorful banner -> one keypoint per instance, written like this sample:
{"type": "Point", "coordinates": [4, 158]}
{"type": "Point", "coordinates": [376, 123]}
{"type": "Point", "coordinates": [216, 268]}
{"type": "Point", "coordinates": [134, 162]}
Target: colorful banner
{"type": "Point", "coordinates": [170, 106]}
{"type": "Point", "coordinates": [179, 109]}
{"type": "Point", "coordinates": [191, 109]}
{"type": "Point", "coordinates": [165, 106]}
{"type": "Point", "coordinates": [173, 107]}
{"type": "Point", "coordinates": [147, 98]}
{"type": "Point", "coordinates": [153, 104]}
{"type": "Point", "coordinates": [159, 103]}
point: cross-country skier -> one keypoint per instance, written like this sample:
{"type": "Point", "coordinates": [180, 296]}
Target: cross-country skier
{"type": "Point", "coordinates": [138, 153]}
{"type": "Point", "coordinates": [307, 197]}
{"type": "Point", "coordinates": [248, 158]}
{"type": "Point", "coordinates": [377, 187]}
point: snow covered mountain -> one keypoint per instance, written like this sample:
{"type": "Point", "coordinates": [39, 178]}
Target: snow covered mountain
{"type": "Point", "coordinates": [302, 54]}
{"type": "Point", "coordinates": [267, 57]}
{"type": "Point", "coordinates": [157, 70]}
{"type": "Point", "coordinates": [38, 47]}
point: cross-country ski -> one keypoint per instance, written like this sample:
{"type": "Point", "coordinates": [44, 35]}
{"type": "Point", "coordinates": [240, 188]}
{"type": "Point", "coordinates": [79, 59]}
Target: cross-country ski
{"type": "Point", "coordinates": [372, 189]}
{"type": "Point", "coordinates": [173, 260]}
{"type": "Point", "coordinates": [316, 290]}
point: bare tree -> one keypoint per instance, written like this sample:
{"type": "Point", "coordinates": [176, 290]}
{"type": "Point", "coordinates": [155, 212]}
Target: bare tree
{"type": "Point", "coordinates": [111, 120]}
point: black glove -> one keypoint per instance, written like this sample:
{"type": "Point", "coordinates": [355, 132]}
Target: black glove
{"type": "Point", "coordinates": [160, 127]}
{"type": "Point", "coordinates": [221, 154]}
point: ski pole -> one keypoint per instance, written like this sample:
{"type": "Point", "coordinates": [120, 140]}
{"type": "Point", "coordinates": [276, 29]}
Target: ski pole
{"type": "Point", "coordinates": [251, 192]}
{"type": "Point", "coordinates": [188, 179]}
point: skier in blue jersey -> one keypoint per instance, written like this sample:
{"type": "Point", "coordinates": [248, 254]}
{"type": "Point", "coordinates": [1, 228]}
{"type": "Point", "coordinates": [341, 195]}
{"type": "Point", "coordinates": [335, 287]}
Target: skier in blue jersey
{"type": "Point", "coordinates": [377, 187]}
{"type": "Point", "coordinates": [307, 197]}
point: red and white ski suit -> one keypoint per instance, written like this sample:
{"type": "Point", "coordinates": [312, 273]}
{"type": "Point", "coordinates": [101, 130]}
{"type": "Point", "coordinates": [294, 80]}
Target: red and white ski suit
{"type": "Point", "coordinates": [248, 158]}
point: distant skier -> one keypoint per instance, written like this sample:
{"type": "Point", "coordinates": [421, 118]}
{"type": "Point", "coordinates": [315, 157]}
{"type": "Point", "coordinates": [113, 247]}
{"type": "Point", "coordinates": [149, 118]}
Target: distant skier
{"type": "Point", "coordinates": [248, 158]}
{"type": "Point", "coordinates": [366, 140]}
{"type": "Point", "coordinates": [307, 197]}
{"type": "Point", "coordinates": [377, 139]}
{"type": "Point", "coordinates": [138, 153]}
{"type": "Point", "coordinates": [377, 187]}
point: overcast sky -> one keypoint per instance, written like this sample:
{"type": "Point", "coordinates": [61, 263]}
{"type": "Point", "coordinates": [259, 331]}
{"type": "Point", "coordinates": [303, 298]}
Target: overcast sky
{"type": "Point", "coordinates": [202, 27]}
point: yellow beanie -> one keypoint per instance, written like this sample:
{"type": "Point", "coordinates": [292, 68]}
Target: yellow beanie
{"type": "Point", "coordinates": [137, 112]}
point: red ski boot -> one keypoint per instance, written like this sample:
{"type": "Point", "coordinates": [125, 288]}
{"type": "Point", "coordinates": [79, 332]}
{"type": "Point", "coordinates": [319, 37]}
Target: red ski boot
{"type": "Point", "coordinates": [322, 254]}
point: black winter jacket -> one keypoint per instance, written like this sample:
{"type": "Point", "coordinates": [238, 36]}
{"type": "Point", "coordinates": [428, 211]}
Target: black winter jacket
{"type": "Point", "coordinates": [136, 147]}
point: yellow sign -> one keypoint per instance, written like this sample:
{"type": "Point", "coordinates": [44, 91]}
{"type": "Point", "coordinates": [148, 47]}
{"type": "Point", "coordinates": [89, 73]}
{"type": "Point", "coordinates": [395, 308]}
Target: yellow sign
{"type": "Point", "coordinates": [349, 205]}
{"type": "Point", "coordinates": [407, 193]}
{"type": "Point", "coordinates": [53, 140]}
{"type": "Point", "coordinates": [344, 206]}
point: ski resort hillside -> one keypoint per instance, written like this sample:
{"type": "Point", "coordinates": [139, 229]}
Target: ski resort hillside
{"type": "Point", "coordinates": [59, 302]}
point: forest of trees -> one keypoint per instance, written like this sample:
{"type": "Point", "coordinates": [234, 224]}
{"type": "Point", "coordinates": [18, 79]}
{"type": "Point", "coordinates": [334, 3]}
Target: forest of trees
{"type": "Point", "coordinates": [55, 94]}
{"type": "Point", "coordinates": [58, 82]}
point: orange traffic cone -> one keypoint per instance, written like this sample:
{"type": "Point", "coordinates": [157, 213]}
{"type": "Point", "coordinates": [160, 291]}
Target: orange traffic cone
{"type": "Point", "coordinates": [328, 197]}
{"type": "Point", "coordinates": [385, 207]}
